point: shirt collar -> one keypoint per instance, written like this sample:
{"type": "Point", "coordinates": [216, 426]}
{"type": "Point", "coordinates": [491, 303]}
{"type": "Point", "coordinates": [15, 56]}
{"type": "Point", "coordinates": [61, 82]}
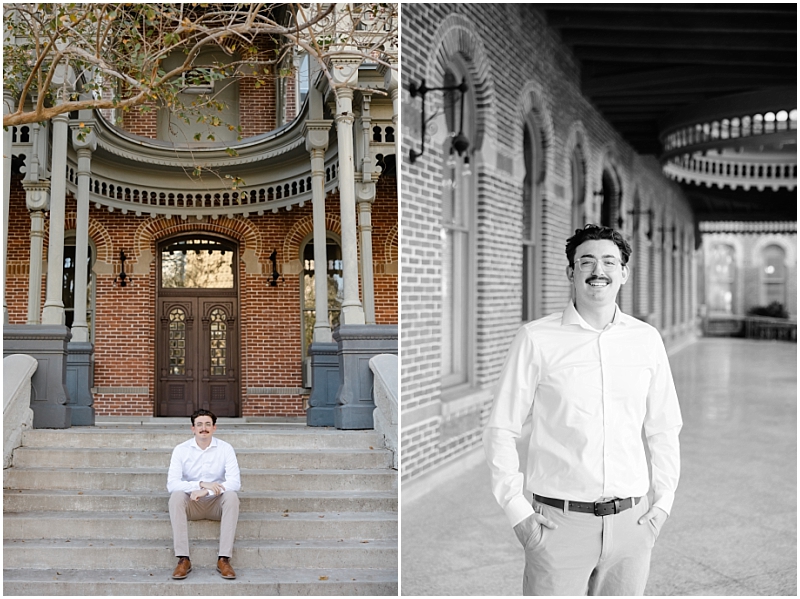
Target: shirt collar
{"type": "Point", "coordinates": [572, 316]}
{"type": "Point", "coordinates": [196, 446]}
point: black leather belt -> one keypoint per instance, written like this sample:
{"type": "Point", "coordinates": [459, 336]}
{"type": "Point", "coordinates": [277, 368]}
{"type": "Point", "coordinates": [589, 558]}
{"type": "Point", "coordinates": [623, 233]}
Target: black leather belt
{"type": "Point", "coordinates": [600, 508]}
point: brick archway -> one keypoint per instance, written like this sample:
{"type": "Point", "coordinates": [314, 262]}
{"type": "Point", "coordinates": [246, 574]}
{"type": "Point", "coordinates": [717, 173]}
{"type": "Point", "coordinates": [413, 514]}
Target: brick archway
{"type": "Point", "coordinates": [456, 36]}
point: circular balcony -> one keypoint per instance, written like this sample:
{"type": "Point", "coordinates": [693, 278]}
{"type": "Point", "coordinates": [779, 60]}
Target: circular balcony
{"type": "Point", "coordinates": [746, 141]}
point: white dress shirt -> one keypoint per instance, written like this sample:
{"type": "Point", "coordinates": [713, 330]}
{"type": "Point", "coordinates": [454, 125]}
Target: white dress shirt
{"type": "Point", "coordinates": [190, 465]}
{"type": "Point", "coordinates": [589, 393]}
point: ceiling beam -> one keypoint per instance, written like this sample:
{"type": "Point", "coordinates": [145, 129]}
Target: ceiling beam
{"type": "Point", "coordinates": [677, 19]}
{"type": "Point", "coordinates": [682, 79]}
{"type": "Point", "coordinates": [687, 39]}
{"type": "Point", "coordinates": [654, 99]}
{"type": "Point", "coordinates": [613, 108]}
{"type": "Point", "coordinates": [682, 56]}
{"type": "Point", "coordinates": [707, 9]}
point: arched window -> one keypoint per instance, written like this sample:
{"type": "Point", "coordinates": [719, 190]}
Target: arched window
{"type": "Point", "coordinates": [578, 181]}
{"type": "Point", "coordinates": [773, 275]}
{"type": "Point", "coordinates": [333, 253]}
{"type": "Point", "coordinates": [721, 278]}
{"type": "Point", "coordinates": [612, 197]}
{"type": "Point", "coordinates": [533, 154]}
{"type": "Point", "coordinates": [457, 233]}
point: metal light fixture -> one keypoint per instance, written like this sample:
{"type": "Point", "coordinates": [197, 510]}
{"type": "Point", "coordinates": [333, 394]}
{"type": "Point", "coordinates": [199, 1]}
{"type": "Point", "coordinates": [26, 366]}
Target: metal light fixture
{"type": "Point", "coordinates": [650, 214]}
{"type": "Point", "coordinates": [460, 142]}
{"type": "Point", "coordinates": [122, 279]}
{"type": "Point", "coordinates": [275, 274]}
{"type": "Point", "coordinates": [664, 236]}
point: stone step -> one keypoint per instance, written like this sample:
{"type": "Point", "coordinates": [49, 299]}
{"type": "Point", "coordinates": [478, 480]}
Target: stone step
{"type": "Point", "coordinates": [203, 580]}
{"type": "Point", "coordinates": [59, 457]}
{"type": "Point", "coordinates": [168, 438]}
{"type": "Point", "coordinates": [92, 500]}
{"type": "Point", "coordinates": [89, 554]}
{"type": "Point", "coordinates": [150, 479]}
{"type": "Point", "coordinates": [156, 525]}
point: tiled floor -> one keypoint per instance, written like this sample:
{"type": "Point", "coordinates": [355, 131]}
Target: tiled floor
{"type": "Point", "coordinates": [733, 529]}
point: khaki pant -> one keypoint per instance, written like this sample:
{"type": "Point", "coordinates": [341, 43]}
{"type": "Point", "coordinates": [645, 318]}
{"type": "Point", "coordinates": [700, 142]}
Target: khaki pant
{"type": "Point", "coordinates": [587, 554]}
{"type": "Point", "coordinates": [224, 508]}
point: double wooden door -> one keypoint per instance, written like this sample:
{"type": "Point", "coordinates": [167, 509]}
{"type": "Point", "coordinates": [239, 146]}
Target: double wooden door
{"type": "Point", "coordinates": [197, 354]}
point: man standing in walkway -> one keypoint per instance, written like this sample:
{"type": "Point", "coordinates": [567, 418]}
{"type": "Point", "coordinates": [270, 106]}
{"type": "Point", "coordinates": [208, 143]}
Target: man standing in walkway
{"type": "Point", "coordinates": [203, 480]}
{"type": "Point", "coordinates": [591, 379]}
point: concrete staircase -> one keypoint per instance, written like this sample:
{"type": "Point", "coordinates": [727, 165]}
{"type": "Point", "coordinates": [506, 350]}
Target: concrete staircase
{"type": "Point", "coordinates": [85, 513]}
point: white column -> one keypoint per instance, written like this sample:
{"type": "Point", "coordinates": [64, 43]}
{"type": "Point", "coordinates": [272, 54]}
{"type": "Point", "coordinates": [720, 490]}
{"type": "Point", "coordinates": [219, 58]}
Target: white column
{"type": "Point", "coordinates": [8, 102]}
{"type": "Point", "coordinates": [85, 147]}
{"type": "Point", "coordinates": [352, 312]}
{"type": "Point", "coordinates": [366, 196]}
{"type": "Point", "coordinates": [53, 312]}
{"type": "Point", "coordinates": [37, 200]}
{"type": "Point", "coordinates": [316, 144]}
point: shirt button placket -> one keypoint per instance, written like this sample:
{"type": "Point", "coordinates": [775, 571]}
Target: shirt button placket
{"type": "Point", "coordinates": [600, 344]}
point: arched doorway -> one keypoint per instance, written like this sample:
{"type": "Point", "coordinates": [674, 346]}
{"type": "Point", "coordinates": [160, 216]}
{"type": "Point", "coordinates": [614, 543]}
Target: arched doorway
{"type": "Point", "coordinates": [197, 337]}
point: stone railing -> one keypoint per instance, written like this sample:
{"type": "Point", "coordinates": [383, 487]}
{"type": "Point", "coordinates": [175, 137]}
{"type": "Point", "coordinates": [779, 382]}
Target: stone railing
{"type": "Point", "coordinates": [251, 199]}
{"type": "Point", "coordinates": [735, 127]}
{"type": "Point", "coordinates": [17, 414]}
{"type": "Point", "coordinates": [384, 370]}
{"type": "Point", "coordinates": [732, 171]}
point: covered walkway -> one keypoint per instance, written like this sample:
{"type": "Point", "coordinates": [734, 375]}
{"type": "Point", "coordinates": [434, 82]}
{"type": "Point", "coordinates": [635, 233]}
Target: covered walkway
{"type": "Point", "coordinates": [733, 529]}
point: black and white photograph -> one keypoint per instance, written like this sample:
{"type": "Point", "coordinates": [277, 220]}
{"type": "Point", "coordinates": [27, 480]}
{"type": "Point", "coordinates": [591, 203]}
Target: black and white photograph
{"type": "Point", "coordinates": [598, 299]}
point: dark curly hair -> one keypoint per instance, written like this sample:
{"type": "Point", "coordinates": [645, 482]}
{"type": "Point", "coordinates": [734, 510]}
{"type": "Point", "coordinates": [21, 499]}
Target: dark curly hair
{"type": "Point", "coordinates": [593, 232]}
{"type": "Point", "coordinates": [204, 413]}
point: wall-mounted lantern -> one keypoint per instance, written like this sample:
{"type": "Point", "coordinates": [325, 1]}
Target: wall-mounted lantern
{"type": "Point", "coordinates": [275, 274]}
{"type": "Point", "coordinates": [122, 279]}
{"type": "Point", "coordinates": [650, 215]}
{"type": "Point", "coordinates": [672, 230]}
{"type": "Point", "coordinates": [460, 142]}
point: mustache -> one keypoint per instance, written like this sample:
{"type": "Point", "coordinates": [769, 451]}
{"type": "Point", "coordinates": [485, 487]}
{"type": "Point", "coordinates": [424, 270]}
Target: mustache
{"type": "Point", "coordinates": [594, 278]}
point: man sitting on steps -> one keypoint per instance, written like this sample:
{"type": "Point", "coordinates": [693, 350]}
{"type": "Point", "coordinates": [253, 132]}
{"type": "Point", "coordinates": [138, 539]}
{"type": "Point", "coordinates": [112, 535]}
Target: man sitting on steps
{"type": "Point", "coordinates": [203, 479]}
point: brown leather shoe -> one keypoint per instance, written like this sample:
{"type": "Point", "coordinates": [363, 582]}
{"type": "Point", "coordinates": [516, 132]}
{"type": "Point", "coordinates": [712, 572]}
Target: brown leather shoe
{"type": "Point", "coordinates": [183, 568]}
{"type": "Point", "coordinates": [224, 568]}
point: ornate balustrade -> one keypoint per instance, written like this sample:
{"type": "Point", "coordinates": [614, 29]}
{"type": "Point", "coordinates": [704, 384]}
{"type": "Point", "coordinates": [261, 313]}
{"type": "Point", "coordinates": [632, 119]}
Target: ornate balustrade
{"type": "Point", "coordinates": [132, 196]}
{"type": "Point", "coordinates": [734, 127]}
{"type": "Point", "coordinates": [748, 171]}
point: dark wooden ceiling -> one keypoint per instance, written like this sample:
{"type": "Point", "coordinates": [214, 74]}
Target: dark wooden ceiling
{"type": "Point", "coordinates": [641, 62]}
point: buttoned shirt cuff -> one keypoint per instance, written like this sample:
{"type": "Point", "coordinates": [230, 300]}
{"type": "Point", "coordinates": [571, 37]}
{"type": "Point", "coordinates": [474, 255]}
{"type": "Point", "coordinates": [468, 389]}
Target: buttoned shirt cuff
{"type": "Point", "coordinates": [518, 509]}
{"type": "Point", "coordinates": [665, 501]}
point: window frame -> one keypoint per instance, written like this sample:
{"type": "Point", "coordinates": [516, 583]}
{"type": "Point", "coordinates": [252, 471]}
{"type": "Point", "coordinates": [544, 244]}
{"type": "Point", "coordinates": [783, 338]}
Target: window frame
{"type": "Point", "coordinates": [533, 200]}
{"type": "Point", "coordinates": [460, 225]}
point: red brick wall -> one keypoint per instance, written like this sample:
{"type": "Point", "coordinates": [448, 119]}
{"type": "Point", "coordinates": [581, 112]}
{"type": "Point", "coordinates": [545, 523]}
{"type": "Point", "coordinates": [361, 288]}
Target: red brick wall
{"type": "Point", "coordinates": [269, 317]}
{"type": "Point", "coordinates": [18, 248]}
{"type": "Point", "coordinates": [142, 120]}
{"type": "Point", "coordinates": [258, 108]}
{"type": "Point", "coordinates": [385, 250]}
